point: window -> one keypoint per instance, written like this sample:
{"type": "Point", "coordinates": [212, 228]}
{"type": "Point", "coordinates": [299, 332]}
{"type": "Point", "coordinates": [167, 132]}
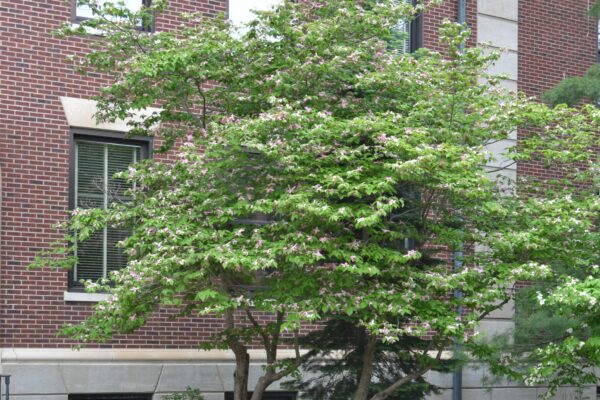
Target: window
{"type": "Point", "coordinates": [407, 35]}
{"type": "Point", "coordinates": [598, 40]}
{"type": "Point", "coordinates": [95, 161]}
{"type": "Point", "coordinates": [268, 395]}
{"type": "Point", "coordinates": [84, 12]}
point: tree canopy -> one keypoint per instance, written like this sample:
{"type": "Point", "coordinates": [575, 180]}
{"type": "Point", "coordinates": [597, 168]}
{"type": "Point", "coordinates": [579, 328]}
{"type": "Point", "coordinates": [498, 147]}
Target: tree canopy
{"type": "Point", "coordinates": [320, 172]}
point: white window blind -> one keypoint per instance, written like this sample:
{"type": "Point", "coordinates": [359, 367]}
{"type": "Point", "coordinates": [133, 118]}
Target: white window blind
{"type": "Point", "coordinates": [95, 187]}
{"type": "Point", "coordinates": [401, 36]}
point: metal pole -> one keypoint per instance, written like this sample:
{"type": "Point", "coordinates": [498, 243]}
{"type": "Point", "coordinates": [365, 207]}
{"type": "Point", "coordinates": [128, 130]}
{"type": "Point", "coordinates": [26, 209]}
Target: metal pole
{"type": "Point", "coordinates": [7, 386]}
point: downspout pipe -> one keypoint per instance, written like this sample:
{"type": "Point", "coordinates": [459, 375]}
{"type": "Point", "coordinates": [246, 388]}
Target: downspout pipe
{"type": "Point", "coordinates": [458, 254]}
{"type": "Point", "coordinates": [457, 373]}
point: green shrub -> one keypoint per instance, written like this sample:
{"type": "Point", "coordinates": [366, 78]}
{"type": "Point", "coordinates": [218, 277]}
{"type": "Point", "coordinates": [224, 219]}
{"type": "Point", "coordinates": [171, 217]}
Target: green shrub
{"type": "Point", "coordinates": [189, 394]}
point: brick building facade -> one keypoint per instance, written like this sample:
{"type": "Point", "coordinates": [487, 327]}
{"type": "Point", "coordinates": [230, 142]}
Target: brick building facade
{"type": "Point", "coordinates": [44, 110]}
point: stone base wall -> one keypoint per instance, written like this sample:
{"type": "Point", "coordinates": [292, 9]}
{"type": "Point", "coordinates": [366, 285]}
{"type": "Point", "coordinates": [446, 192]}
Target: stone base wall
{"type": "Point", "coordinates": [478, 384]}
{"type": "Point", "coordinates": [53, 374]}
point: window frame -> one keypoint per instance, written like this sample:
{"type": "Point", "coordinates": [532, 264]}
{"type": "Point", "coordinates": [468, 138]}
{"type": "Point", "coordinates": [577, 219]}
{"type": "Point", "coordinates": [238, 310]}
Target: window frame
{"type": "Point", "coordinates": [150, 27]}
{"type": "Point", "coordinates": [270, 395]}
{"type": "Point", "coordinates": [146, 151]}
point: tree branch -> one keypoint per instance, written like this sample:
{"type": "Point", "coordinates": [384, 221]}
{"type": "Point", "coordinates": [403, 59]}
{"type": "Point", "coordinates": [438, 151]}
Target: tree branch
{"type": "Point", "coordinates": [407, 378]}
{"type": "Point", "coordinates": [261, 332]}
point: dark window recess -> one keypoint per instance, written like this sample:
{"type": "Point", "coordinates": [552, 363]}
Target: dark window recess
{"type": "Point", "coordinates": [83, 12]}
{"type": "Point", "coordinates": [95, 161]}
{"type": "Point", "coordinates": [268, 395]}
{"type": "Point", "coordinates": [111, 396]}
{"type": "Point", "coordinates": [408, 215]}
{"type": "Point", "coordinates": [254, 283]}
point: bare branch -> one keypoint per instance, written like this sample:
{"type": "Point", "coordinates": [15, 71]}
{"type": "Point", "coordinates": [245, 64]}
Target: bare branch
{"type": "Point", "coordinates": [407, 378]}
{"type": "Point", "coordinates": [261, 331]}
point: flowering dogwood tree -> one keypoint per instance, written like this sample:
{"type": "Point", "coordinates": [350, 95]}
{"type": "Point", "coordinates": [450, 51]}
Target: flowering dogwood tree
{"type": "Point", "coordinates": [322, 172]}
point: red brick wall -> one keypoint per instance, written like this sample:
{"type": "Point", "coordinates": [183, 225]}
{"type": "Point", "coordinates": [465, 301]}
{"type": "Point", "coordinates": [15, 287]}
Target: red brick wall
{"type": "Point", "coordinates": [557, 39]}
{"type": "Point", "coordinates": [447, 10]}
{"type": "Point", "coordinates": [34, 157]}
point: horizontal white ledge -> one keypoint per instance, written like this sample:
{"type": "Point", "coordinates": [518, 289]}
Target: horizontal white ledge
{"type": "Point", "coordinates": [85, 297]}
{"type": "Point", "coordinates": [17, 355]}
{"type": "Point", "coordinates": [81, 113]}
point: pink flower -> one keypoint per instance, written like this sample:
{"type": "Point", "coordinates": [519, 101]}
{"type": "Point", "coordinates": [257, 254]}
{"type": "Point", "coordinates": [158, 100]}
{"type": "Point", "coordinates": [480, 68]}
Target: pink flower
{"type": "Point", "coordinates": [344, 103]}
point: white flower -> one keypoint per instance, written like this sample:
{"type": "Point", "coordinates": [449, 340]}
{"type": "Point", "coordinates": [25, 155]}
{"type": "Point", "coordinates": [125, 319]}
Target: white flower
{"type": "Point", "coordinates": [540, 298]}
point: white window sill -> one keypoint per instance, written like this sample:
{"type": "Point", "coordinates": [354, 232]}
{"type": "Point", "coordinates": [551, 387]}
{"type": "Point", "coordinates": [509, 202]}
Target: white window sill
{"type": "Point", "coordinates": [100, 32]}
{"type": "Point", "coordinates": [85, 297]}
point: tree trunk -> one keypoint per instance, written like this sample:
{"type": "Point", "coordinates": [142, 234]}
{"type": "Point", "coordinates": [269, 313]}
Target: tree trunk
{"type": "Point", "coordinates": [362, 391]}
{"type": "Point", "coordinates": [260, 388]}
{"type": "Point", "coordinates": [242, 369]}
{"type": "Point", "coordinates": [242, 361]}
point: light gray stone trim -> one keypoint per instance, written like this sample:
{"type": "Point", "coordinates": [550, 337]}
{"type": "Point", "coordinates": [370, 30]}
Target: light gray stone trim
{"type": "Point", "coordinates": [498, 151]}
{"type": "Point", "coordinates": [507, 64]}
{"type": "Point", "coordinates": [110, 378]}
{"type": "Point", "coordinates": [507, 311]}
{"type": "Point", "coordinates": [499, 32]}
{"type": "Point", "coordinates": [33, 355]}
{"type": "Point", "coordinates": [506, 9]}
{"type": "Point", "coordinates": [81, 113]}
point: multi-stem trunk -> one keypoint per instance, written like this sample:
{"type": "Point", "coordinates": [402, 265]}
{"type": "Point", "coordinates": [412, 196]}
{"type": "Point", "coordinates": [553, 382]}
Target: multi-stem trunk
{"type": "Point", "coordinates": [270, 337]}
